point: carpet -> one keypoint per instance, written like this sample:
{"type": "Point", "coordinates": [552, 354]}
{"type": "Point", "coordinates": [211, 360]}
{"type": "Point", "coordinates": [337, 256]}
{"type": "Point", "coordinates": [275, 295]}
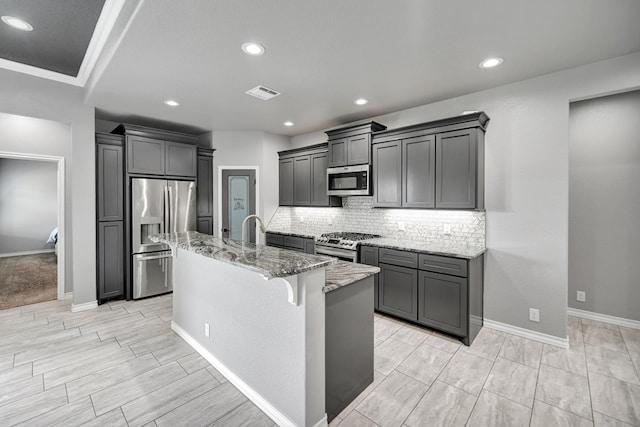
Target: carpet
{"type": "Point", "coordinates": [28, 279]}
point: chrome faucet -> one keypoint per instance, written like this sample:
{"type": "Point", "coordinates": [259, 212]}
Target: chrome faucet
{"type": "Point", "coordinates": [244, 229]}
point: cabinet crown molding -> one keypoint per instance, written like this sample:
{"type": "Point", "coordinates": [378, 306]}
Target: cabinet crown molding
{"type": "Point", "coordinates": [361, 128]}
{"type": "Point", "coordinates": [136, 130]}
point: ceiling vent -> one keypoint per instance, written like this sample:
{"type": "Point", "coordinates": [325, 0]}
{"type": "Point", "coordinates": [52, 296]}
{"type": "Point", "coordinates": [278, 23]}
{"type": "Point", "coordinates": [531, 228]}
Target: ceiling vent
{"type": "Point", "coordinates": [262, 92]}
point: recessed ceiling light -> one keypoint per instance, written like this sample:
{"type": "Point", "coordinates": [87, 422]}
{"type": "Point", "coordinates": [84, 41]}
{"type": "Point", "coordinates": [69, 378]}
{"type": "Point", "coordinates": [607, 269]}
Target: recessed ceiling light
{"type": "Point", "coordinates": [491, 62]}
{"type": "Point", "coordinates": [17, 23]}
{"type": "Point", "coordinates": [254, 49]}
{"type": "Point", "coordinates": [288, 123]}
{"type": "Point", "coordinates": [360, 101]}
{"type": "Point", "coordinates": [171, 102]}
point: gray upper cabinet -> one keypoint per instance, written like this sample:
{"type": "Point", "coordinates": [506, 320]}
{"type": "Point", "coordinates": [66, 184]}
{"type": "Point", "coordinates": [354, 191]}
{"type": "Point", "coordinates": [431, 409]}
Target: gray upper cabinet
{"type": "Point", "coordinates": [159, 152]}
{"type": "Point", "coordinates": [204, 191]}
{"type": "Point", "coordinates": [145, 155]}
{"type": "Point", "coordinates": [303, 177]}
{"type": "Point", "coordinates": [319, 195]}
{"type": "Point", "coordinates": [180, 159]}
{"type": "Point", "coordinates": [351, 145]}
{"type": "Point", "coordinates": [286, 182]}
{"type": "Point", "coordinates": [302, 181]}
{"type": "Point", "coordinates": [442, 164]}
{"type": "Point", "coordinates": [456, 169]}
{"type": "Point", "coordinates": [110, 182]}
{"type": "Point", "coordinates": [418, 172]}
{"type": "Point", "coordinates": [387, 174]}
{"type": "Point", "coordinates": [338, 152]}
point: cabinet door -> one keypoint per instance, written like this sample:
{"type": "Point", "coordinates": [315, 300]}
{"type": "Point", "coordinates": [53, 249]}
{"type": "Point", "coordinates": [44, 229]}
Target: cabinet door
{"type": "Point", "coordinates": [359, 150]}
{"type": "Point", "coordinates": [276, 240]}
{"type": "Point", "coordinates": [338, 152]}
{"type": "Point", "coordinates": [204, 190]}
{"type": "Point", "coordinates": [309, 246]}
{"type": "Point", "coordinates": [319, 195]}
{"type": "Point", "coordinates": [456, 163]}
{"type": "Point", "coordinates": [387, 170]}
{"type": "Point", "coordinates": [205, 224]}
{"type": "Point", "coordinates": [145, 155]}
{"type": "Point", "coordinates": [419, 172]}
{"type": "Point", "coordinates": [110, 183]}
{"type": "Point", "coordinates": [369, 256]}
{"type": "Point", "coordinates": [398, 291]}
{"type": "Point", "coordinates": [110, 259]}
{"type": "Point", "coordinates": [181, 159]}
{"type": "Point", "coordinates": [442, 302]}
{"type": "Point", "coordinates": [302, 181]}
{"type": "Point", "coordinates": [286, 182]}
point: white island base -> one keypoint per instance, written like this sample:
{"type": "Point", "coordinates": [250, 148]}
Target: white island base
{"type": "Point", "coordinates": [267, 337]}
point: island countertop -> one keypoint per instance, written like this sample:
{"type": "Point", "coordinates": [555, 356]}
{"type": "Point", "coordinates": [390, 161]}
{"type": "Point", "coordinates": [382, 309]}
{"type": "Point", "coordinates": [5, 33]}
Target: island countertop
{"type": "Point", "coordinates": [345, 273]}
{"type": "Point", "coordinates": [266, 260]}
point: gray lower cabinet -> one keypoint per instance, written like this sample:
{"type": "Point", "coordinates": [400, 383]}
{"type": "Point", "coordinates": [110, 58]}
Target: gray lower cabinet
{"type": "Point", "coordinates": [369, 256]}
{"type": "Point", "coordinates": [442, 302]}
{"type": "Point", "coordinates": [398, 291]}
{"type": "Point", "coordinates": [441, 292]}
{"type": "Point", "coordinates": [205, 225]}
{"type": "Point", "coordinates": [286, 182]}
{"type": "Point", "coordinates": [110, 259]}
{"type": "Point", "coordinates": [292, 243]}
{"type": "Point", "coordinates": [302, 181]}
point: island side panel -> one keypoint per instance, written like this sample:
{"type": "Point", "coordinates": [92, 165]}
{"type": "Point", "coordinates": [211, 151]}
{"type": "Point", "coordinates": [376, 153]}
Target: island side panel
{"type": "Point", "coordinates": [256, 334]}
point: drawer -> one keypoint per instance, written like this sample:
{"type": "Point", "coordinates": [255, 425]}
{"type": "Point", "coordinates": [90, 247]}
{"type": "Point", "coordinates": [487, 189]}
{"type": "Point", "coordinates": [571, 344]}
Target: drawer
{"type": "Point", "coordinates": [395, 257]}
{"type": "Point", "coordinates": [294, 243]}
{"type": "Point", "coordinates": [443, 264]}
{"type": "Point", "coordinates": [275, 239]}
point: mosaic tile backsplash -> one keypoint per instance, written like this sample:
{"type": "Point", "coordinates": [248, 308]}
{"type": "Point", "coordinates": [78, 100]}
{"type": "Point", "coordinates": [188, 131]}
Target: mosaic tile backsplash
{"type": "Point", "coordinates": [358, 214]}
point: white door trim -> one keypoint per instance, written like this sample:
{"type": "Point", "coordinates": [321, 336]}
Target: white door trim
{"type": "Point", "coordinates": [61, 213]}
{"type": "Point", "coordinates": [216, 231]}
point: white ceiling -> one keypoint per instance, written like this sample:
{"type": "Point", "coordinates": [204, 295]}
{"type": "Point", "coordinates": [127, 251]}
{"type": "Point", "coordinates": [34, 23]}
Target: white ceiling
{"type": "Point", "coordinates": [323, 54]}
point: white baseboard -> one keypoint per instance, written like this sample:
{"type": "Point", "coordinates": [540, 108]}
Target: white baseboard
{"type": "Point", "coordinates": [68, 295]}
{"type": "Point", "coordinates": [84, 306]}
{"type": "Point", "coordinates": [266, 407]}
{"type": "Point", "coordinates": [526, 333]}
{"type": "Point", "coordinates": [36, 252]}
{"type": "Point", "coordinates": [620, 321]}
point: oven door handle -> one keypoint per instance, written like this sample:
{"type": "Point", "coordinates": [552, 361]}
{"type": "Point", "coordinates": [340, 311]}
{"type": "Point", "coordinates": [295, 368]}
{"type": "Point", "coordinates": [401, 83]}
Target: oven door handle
{"type": "Point", "coordinates": [323, 250]}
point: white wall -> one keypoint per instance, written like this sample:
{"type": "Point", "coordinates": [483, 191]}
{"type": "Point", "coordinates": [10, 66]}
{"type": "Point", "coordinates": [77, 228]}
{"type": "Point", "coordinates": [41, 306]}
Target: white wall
{"type": "Point", "coordinates": [29, 207]}
{"type": "Point", "coordinates": [22, 95]}
{"type": "Point", "coordinates": [604, 204]}
{"type": "Point", "coordinates": [526, 183]}
{"type": "Point", "coordinates": [246, 148]}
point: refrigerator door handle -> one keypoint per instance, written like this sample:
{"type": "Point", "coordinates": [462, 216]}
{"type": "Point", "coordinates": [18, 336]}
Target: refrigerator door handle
{"type": "Point", "coordinates": [171, 216]}
{"type": "Point", "coordinates": [167, 229]}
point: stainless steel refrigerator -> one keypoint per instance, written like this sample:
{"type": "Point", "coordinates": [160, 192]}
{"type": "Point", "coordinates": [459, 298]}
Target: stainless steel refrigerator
{"type": "Point", "coordinates": [157, 206]}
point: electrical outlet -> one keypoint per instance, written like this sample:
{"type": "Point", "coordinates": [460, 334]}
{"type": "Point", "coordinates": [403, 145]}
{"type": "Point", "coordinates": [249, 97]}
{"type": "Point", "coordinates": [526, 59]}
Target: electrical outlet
{"type": "Point", "coordinates": [401, 226]}
{"type": "Point", "coordinates": [446, 228]}
{"type": "Point", "coordinates": [581, 296]}
{"type": "Point", "coordinates": [207, 330]}
{"type": "Point", "coordinates": [534, 314]}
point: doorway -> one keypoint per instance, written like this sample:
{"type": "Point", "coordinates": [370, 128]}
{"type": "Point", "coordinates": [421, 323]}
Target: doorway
{"type": "Point", "coordinates": [57, 237]}
{"type": "Point", "coordinates": [238, 199]}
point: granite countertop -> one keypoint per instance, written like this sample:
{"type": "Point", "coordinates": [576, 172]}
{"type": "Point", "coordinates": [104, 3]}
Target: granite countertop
{"type": "Point", "coordinates": [447, 249]}
{"type": "Point", "coordinates": [345, 273]}
{"type": "Point", "coordinates": [268, 261]}
{"type": "Point", "coordinates": [296, 233]}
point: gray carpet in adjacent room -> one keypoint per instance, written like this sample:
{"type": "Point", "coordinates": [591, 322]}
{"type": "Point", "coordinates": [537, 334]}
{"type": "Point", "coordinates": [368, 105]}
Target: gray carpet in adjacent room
{"type": "Point", "coordinates": [28, 279]}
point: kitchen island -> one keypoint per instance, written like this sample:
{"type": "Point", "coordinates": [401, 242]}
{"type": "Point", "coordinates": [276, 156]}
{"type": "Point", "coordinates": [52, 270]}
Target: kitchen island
{"type": "Point", "coordinates": [257, 314]}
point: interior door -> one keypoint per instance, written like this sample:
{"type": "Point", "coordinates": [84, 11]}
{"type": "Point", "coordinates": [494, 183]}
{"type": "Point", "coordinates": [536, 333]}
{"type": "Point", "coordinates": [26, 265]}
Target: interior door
{"type": "Point", "coordinates": [238, 201]}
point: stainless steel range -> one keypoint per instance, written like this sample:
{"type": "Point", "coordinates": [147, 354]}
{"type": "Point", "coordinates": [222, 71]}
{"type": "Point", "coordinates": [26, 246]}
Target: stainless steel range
{"type": "Point", "coordinates": [342, 244]}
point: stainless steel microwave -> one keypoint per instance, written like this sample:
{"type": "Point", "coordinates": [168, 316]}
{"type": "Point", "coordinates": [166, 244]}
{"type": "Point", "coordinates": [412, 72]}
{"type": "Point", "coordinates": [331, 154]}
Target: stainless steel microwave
{"type": "Point", "coordinates": [349, 181]}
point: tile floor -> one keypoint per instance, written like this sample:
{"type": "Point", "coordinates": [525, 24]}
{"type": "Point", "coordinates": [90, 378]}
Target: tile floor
{"type": "Point", "coordinates": [122, 365]}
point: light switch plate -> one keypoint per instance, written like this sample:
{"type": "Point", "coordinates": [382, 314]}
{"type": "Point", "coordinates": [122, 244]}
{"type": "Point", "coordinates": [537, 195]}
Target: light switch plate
{"type": "Point", "coordinates": [534, 315]}
{"type": "Point", "coordinates": [581, 296]}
